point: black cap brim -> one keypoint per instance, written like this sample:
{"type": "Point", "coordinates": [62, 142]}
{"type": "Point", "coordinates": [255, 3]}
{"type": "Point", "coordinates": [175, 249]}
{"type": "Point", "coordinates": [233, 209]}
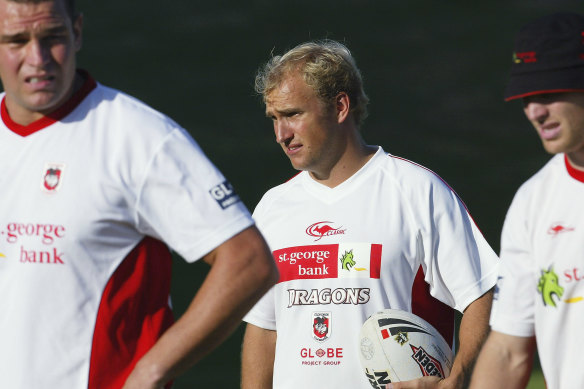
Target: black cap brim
{"type": "Point", "coordinates": [550, 81]}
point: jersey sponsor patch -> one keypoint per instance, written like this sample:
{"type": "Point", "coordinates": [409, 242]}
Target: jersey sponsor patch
{"type": "Point", "coordinates": [328, 296]}
{"type": "Point", "coordinates": [224, 194]}
{"type": "Point", "coordinates": [344, 260]}
{"type": "Point", "coordinates": [52, 177]}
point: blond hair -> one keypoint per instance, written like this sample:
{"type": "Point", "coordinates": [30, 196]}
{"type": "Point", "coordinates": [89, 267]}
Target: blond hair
{"type": "Point", "coordinates": [326, 66]}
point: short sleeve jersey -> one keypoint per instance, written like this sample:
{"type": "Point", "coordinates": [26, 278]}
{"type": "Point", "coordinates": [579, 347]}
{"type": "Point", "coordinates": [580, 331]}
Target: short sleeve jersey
{"type": "Point", "coordinates": [540, 290]}
{"type": "Point", "coordinates": [89, 194]}
{"type": "Point", "coordinates": [393, 235]}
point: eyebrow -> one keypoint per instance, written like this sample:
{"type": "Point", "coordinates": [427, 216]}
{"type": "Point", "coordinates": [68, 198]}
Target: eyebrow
{"type": "Point", "coordinates": [284, 111]}
{"type": "Point", "coordinates": [57, 29]}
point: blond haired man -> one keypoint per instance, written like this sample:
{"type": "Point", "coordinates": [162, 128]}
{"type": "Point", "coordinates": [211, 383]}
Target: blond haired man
{"type": "Point", "coordinates": [357, 231]}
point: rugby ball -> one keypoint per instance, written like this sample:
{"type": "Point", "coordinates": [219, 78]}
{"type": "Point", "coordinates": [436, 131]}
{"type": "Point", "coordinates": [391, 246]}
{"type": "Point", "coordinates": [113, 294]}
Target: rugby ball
{"type": "Point", "coordinates": [399, 346]}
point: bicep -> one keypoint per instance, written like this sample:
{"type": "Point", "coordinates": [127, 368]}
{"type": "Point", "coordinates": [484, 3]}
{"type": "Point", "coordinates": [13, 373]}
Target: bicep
{"type": "Point", "coordinates": [505, 361]}
{"type": "Point", "coordinates": [258, 354]}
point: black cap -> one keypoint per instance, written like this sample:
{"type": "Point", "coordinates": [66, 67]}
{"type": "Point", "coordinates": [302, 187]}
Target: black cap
{"type": "Point", "coordinates": [548, 57]}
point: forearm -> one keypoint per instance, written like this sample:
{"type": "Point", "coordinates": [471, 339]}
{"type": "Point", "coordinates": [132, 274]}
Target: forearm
{"type": "Point", "coordinates": [235, 282]}
{"type": "Point", "coordinates": [474, 329]}
{"type": "Point", "coordinates": [257, 359]}
{"type": "Point", "coordinates": [504, 362]}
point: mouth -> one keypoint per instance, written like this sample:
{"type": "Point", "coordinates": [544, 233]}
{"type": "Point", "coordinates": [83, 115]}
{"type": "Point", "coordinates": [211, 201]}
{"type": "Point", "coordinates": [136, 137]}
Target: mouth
{"type": "Point", "coordinates": [550, 131]}
{"type": "Point", "coordinates": [39, 80]}
{"type": "Point", "coordinates": [292, 149]}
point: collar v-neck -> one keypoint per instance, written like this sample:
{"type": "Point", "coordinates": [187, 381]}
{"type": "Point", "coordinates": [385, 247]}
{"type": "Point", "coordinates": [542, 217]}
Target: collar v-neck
{"type": "Point", "coordinates": [54, 116]}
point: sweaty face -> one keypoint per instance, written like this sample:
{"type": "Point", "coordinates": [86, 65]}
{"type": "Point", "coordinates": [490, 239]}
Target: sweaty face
{"type": "Point", "coordinates": [306, 129]}
{"type": "Point", "coordinates": [38, 43]}
{"type": "Point", "coordinates": [559, 120]}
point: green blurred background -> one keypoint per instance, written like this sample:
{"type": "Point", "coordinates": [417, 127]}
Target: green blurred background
{"type": "Point", "coordinates": [434, 71]}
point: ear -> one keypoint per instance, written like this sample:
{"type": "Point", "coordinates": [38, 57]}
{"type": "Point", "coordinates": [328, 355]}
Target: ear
{"type": "Point", "coordinates": [343, 106]}
{"type": "Point", "coordinates": [78, 31]}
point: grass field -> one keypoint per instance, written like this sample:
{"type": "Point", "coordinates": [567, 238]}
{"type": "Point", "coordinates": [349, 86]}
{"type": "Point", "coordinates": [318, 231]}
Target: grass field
{"type": "Point", "coordinates": [434, 72]}
{"type": "Point", "coordinates": [536, 381]}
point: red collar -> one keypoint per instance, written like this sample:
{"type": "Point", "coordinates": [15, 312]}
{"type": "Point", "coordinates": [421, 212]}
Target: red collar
{"type": "Point", "coordinates": [54, 116]}
{"type": "Point", "coordinates": [572, 171]}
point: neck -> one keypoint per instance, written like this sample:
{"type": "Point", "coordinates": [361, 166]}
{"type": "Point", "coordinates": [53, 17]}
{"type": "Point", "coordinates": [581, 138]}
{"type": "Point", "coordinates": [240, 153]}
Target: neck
{"type": "Point", "coordinates": [576, 160]}
{"type": "Point", "coordinates": [24, 117]}
{"type": "Point", "coordinates": [354, 156]}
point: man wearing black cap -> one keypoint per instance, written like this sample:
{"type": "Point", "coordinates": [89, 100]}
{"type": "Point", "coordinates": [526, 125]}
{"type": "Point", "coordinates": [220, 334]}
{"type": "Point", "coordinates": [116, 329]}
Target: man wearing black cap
{"type": "Point", "coordinates": [539, 300]}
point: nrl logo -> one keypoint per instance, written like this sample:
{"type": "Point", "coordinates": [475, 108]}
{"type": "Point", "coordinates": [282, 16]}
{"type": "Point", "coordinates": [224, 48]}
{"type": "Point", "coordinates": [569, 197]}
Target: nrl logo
{"type": "Point", "coordinates": [321, 326]}
{"type": "Point", "coordinates": [402, 338]}
{"type": "Point", "coordinates": [322, 229]}
{"type": "Point", "coordinates": [52, 177]}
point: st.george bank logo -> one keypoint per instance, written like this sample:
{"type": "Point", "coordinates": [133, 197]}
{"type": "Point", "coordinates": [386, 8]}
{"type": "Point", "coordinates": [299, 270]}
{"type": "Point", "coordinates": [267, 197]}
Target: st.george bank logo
{"type": "Point", "coordinates": [322, 229]}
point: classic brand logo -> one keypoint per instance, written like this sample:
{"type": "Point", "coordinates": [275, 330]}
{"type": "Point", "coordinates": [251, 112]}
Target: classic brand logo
{"type": "Point", "coordinates": [558, 228]}
{"type": "Point", "coordinates": [52, 177]}
{"type": "Point", "coordinates": [321, 326]}
{"type": "Point", "coordinates": [329, 261]}
{"type": "Point", "coordinates": [429, 365]}
{"type": "Point", "coordinates": [322, 229]}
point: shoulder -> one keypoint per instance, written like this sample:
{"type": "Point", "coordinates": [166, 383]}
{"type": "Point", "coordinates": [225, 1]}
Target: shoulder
{"type": "Point", "coordinates": [278, 194]}
{"type": "Point", "coordinates": [123, 110]}
{"type": "Point", "coordinates": [543, 179]}
{"type": "Point", "coordinates": [413, 179]}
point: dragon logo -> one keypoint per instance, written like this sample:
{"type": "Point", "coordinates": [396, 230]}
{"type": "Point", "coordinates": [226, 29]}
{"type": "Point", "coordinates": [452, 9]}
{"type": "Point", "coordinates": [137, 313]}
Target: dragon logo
{"type": "Point", "coordinates": [52, 177]}
{"type": "Point", "coordinates": [347, 261]}
{"type": "Point", "coordinates": [548, 285]}
{"type": "Point", "coordinates": [321, 325]}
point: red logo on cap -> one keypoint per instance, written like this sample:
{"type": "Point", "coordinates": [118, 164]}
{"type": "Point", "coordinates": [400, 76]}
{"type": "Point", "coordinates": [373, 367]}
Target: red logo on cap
{"type": "Point", "coordinates": [525, 57]}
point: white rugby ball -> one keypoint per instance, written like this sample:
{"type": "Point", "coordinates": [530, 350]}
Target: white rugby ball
{"type": "Point", "coordinates": [399, 346]}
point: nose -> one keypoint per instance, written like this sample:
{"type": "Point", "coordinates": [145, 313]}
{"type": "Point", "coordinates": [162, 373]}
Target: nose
{"type": "Point", "coordinates": [282, 131]}
{"type": "Point", "coordinates": [535, 111]}
{"type": "Point", "coordinates": [37, 54]}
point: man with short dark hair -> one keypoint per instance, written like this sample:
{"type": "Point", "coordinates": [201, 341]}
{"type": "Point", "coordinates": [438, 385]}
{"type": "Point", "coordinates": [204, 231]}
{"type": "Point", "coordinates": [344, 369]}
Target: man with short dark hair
{"type": "Point", "coordinates": [95, 184]}
{"type": "Point", "coordinates": [357, 231]}
{"type": "Point", "coordinates": [539, 301]}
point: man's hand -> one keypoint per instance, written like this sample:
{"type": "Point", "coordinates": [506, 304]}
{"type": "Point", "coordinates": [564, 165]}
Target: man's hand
{"type": "Point", "coordinates": [420, 383]}
{"type": "Point", "coordinates": [242, 270]}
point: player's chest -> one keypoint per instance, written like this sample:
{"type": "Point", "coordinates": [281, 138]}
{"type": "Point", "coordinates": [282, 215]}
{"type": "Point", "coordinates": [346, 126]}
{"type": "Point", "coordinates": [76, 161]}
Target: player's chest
{"type": "Point", "coordinates": [340, 242]}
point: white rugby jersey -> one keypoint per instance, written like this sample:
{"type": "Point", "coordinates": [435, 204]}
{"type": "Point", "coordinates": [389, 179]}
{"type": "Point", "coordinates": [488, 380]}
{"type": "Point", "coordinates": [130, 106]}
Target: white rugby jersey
{"type": "Point", "coordinates": [89, 194]}
{"type": "Point", "coordinates": [540, 290]}
{"type": "Point", "coordinates": [392, 236]}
